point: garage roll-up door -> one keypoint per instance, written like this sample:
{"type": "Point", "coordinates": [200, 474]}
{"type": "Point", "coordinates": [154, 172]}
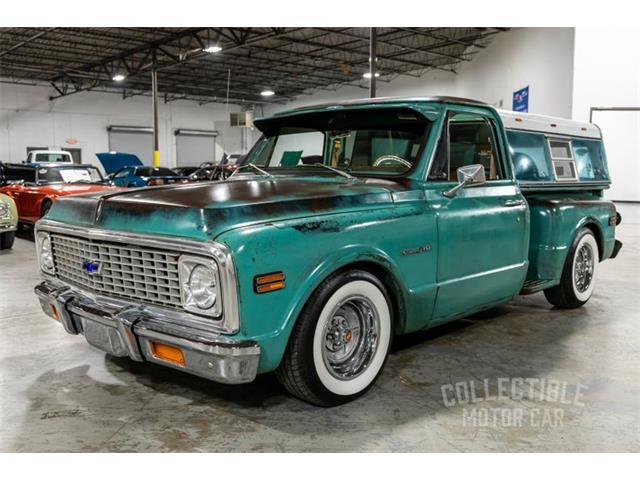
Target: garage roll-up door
{"type": "Point", "coordinates": [194, 147]}
{"type": "Point", "coordinates": [135, 140]}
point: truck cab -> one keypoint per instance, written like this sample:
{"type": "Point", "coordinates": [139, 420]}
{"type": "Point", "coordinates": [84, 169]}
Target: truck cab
{"type": "Point", "coordinates": [48, 156]}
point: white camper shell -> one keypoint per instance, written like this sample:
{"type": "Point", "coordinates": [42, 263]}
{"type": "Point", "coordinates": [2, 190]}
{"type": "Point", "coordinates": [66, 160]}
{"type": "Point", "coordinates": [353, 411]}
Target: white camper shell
{"type": "Point", "coordinates": [551, 152]}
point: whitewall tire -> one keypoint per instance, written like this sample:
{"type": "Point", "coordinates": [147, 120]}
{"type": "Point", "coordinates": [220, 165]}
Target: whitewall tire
{"type": "Point", "coordinates": [341, 341]}
{"type": "Point", "coordinates": [579, 273]}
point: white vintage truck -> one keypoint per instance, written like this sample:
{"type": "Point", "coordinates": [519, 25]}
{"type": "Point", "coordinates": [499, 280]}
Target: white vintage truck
{"type": "Point", "coordinates": [48, 156]}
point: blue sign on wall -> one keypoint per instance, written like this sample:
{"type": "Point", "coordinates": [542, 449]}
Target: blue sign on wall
{"type": "Point", "coordinates": [521, 100]}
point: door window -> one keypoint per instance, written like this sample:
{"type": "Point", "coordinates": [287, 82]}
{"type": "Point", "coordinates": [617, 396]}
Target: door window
{"type": "Point", "coordinates": [469, 139]}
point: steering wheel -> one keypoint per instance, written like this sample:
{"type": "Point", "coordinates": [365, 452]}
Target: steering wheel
{"type": "Point", "coordinates": [391, 158]}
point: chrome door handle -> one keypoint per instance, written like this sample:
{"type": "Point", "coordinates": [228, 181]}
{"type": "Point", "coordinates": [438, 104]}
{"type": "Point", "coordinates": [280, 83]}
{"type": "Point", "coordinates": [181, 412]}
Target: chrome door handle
{"type": "Point", "coordinates": [514, 203]}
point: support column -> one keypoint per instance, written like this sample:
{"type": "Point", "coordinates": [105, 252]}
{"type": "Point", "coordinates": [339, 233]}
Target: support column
{"type": "Point", "coordinates": [372, 62]}
{"type": "Point", "coordinates": [154, 95]}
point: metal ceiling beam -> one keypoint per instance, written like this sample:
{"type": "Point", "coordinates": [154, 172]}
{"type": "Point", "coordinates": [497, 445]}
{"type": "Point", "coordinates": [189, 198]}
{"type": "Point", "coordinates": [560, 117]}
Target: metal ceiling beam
{"type": "Point", "coordinates": [357, 52]}
{"type": "Point", "coordinates": [400, 46]}
{"type": "Point", "coordinates": [24, 42]}
{"type": "Point", "coordinates": [294, 61]}
{"type": "Point", "coordinates": [469, 41]}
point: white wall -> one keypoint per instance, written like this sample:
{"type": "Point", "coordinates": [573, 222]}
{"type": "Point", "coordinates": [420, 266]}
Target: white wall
{"type": "Point", "coordinates": [28, 118]}
{"type": "Point", "coordinates": [539, 57]}
{"type": "Point", "coordinates": [607, 70]}
{"type": "Point", "coordinates": [607, 74]}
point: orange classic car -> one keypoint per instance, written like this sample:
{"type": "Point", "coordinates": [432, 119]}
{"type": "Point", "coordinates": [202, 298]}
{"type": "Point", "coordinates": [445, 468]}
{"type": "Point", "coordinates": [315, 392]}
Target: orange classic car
{"type": "Point", "coordinates": [35, 187]}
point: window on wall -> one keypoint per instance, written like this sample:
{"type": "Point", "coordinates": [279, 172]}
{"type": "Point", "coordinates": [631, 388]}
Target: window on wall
{"type": "Point", "coordinates": [564, 166]}
{"type": "Point", "coordinates": [468, 140]}
{"type": "Point", "coordinates": [529, 155]}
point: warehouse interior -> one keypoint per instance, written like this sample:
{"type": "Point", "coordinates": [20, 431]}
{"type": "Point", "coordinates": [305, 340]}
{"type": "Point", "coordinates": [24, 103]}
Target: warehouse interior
{"type": "Point", "coordinates": [91, 90]}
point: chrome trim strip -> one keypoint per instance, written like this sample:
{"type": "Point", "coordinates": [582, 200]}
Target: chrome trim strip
{"type": "Point", "coordinates": [229, 322]}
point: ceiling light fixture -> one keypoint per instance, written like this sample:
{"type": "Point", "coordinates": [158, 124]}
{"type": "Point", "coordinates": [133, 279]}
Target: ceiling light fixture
{"type": "Point", "coordinates": [118, 77]}
{"type": "Point", "coordinates": [368, 75]}
{"type": "Point", "coordinates": [267, 93]}
{"type": "Point", "coordinates": [212, 49]}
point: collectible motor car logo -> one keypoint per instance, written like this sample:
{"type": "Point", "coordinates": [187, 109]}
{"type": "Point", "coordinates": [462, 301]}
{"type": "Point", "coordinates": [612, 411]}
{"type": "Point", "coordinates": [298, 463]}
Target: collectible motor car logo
{"type": "Point", "coordinates": [91, 267]}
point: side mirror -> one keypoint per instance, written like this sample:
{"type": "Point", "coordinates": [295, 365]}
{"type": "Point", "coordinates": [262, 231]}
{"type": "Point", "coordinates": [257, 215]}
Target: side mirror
{"type": "Point", "coordinates": [468, 175]}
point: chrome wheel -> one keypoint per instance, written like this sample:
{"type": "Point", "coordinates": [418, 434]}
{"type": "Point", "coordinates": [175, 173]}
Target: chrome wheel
{"type": "Point", "coordinates": [351, 337]}
{"type": "Point", "coordinates": [583, 267]}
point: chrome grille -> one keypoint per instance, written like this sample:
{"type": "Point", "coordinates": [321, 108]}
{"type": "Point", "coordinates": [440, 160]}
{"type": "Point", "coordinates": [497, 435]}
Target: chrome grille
{"type": "Point", "coordinates": [125, 271]}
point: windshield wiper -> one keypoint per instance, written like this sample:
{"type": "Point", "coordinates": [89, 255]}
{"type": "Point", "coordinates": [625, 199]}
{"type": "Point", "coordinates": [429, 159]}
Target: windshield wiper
{"type": "Point", "coordinates": [333, 169]}
{"type": "Point", "coordinates": [255, 167]}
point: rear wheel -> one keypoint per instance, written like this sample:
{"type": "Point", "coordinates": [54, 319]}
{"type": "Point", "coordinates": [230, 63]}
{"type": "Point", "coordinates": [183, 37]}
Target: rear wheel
{"type": "Point", "coordinates": [6, 240]}
{"type": "Point", "coordinates": [579, 273]}
{"type": "Point", "coordinates": [341, 341]}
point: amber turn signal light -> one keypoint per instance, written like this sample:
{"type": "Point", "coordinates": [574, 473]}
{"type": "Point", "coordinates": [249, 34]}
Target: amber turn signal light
{"type": "Point", "coordinates": [167, 353]}
{"type": "Point", "coordinates": [269, 282]}
{"type": "Point", "coordinates": [54, 312]}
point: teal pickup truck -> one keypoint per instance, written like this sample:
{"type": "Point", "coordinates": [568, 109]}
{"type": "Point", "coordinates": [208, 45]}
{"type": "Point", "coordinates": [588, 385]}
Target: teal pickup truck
{"type": "Point", "coordinates": [348, 224]}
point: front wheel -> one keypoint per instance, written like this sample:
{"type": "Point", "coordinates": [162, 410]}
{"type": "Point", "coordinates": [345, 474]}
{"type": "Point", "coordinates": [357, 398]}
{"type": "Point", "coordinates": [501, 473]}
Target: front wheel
{"type": "Point", "coordinates": [6, 240]}
{"type": "Point", "coordinates": [579, 273]}
{"type": "Point", "coordinates": [341, 341]}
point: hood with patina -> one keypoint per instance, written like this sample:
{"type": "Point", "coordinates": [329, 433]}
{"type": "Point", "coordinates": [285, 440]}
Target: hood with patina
{"type": "Point", "coordinates": [204, 210]}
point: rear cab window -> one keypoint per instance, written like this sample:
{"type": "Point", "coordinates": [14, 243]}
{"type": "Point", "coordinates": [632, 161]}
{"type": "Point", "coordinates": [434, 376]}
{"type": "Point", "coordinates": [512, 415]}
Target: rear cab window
{"type": "Point", "coordinates": [529, 155]}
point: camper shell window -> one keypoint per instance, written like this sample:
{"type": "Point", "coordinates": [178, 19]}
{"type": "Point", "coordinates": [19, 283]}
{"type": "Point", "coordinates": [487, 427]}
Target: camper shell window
{"type": "Point", "coordinates": [564, 165]}
{"type": "Point", "coordinates": [529, 156]}
{"type": "Point", "coordinates": [590, 160]}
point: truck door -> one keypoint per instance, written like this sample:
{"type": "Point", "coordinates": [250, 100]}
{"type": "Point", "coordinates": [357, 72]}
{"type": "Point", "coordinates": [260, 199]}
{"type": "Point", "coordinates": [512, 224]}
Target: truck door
{"type": "Point", "coordinates": [483, 231]}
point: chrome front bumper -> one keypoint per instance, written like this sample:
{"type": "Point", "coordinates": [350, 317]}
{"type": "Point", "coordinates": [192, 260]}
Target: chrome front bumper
{"type": "Point", "coordinates": [8, 228]}
{"type": "Point", "coordinates": [124, 329]}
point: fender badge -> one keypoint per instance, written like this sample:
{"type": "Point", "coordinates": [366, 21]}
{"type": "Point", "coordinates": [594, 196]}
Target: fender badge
{"type": "Point", "coordinates": [413, 251]}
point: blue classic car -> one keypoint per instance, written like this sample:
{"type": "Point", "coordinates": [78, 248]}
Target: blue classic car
{"type": "Point", "coordinates": [126, 170]}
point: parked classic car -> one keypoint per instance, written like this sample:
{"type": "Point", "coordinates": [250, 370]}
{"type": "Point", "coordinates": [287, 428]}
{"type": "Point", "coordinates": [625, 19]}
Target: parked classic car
{"type": "Point", "coordinates": [36, 187]}
{"type": "Point", "coordinates": [8, 221]}
{"type": "Point", "coordinates": [126, 170]}
{"type": "Point", "coordinates": [359, 221]}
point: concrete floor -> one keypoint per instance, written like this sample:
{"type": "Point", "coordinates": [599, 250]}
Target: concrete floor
{"type": "Point", "coordinates": [59, 394]}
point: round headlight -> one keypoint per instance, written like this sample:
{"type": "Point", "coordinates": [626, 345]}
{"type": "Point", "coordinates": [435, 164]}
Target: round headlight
{"type": "Point", "coordinates": [202, 286]}
{"type": "Point", "coordinates": [46, 253]}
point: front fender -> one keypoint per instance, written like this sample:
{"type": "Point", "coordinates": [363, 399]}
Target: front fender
{"type": "Point", "coordinates": [309, 250]}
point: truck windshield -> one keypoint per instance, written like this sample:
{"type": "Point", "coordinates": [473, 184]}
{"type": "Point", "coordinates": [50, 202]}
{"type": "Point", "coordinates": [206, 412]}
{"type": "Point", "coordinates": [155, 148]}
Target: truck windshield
{"type": "Point", "coordinates": [51, 157]}
{"type": "Point", "coordinates": [69, 175]}
{"type": "Point", "coordinates": [386, 141]}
